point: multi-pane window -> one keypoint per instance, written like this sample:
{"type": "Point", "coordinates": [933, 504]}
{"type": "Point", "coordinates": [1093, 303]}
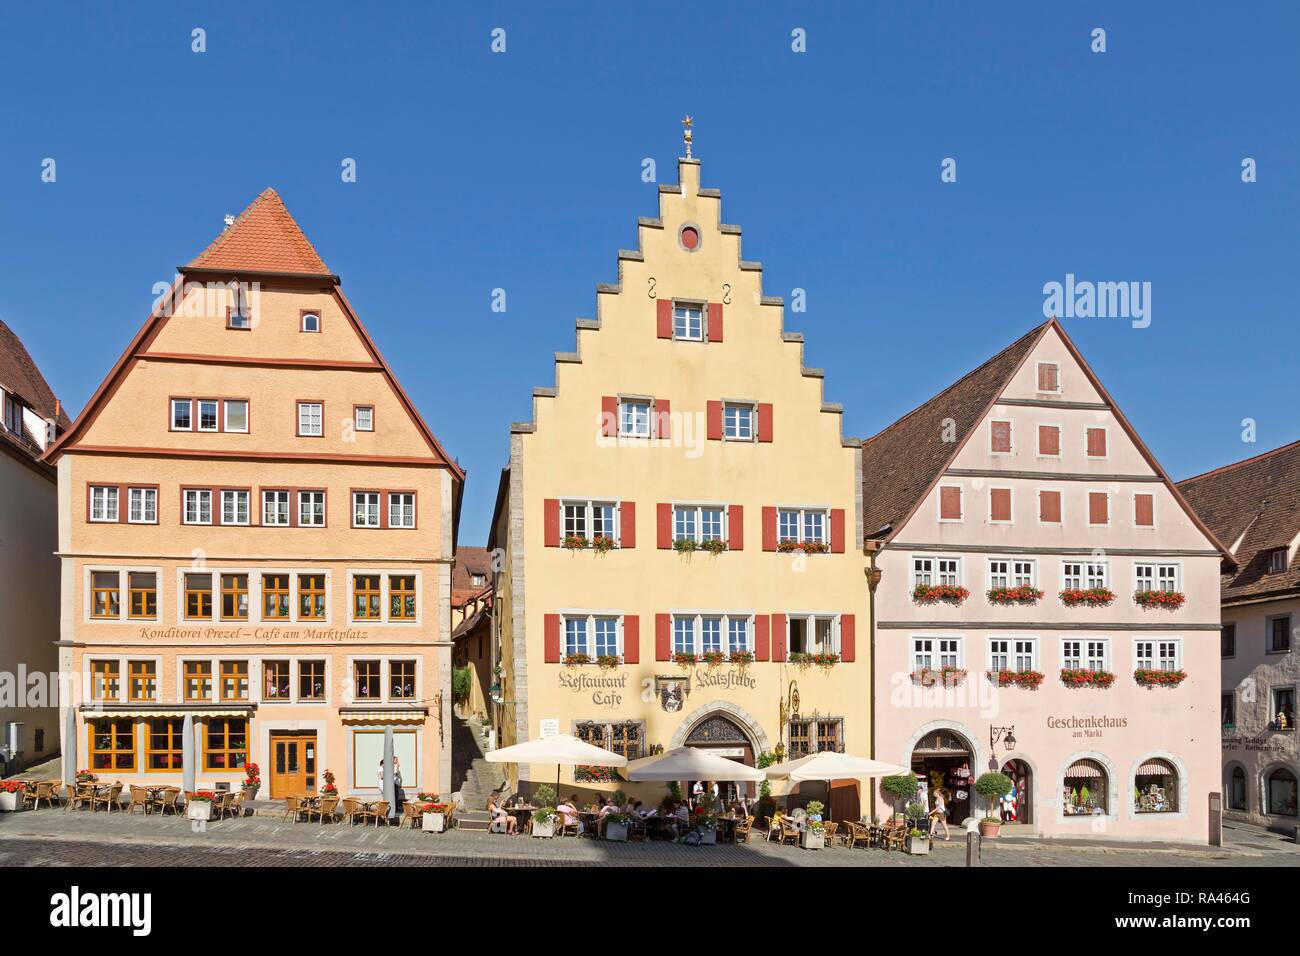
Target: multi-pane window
{"type": "Point", "coordinates": [596, 635]}
{"type": "Point", "coordinates": [310, 419]}
{"type": "Point", "coordinates": [366, 603]}
{"type": "Point", "coordinates": [634, 418]}
{"type": "Point", "coordinates": [236, 415]}
{"type": "Point", "coordinates": [1228, 640]}
{"type": "Point", "coordinates": [234, 597]}
{"type": "Point", "coordinates": [275, 680]}
{"type": "Point", "coordinates": [999, 655]}
{"type": "Point", "coordinates": [1277, 560]}
{"type": "Point", "coordinates": [1008, 654]}
{"type": "Point", "coordinates": [810, 735]}
{"type": "Point", "coordinates": [806, 526]}
{"type": "Point", "coordinates": [1084, 655]}
{"type": "Point", "coordinates": [922, 571]}
{"type": "Point", "coordinates": [363, 418]}
{"type": "Point", "coordinates": [1283, 708]}
{"type": "Point", "coordinates": [311, 680]}
{"type": "Point", "coordinates": [225, 745]}
{"type": "Point", "coordinates": [103, 502]}
{"type": "Point", "coordinates": [815, 634]}
{"type": "Point", "coordinates": [234, 680]}
{"type": "Point", "coordinates": [198, 680]}
{"type": "Point", "coordinates": [165, 748]}
{"type": "Point", "coordinates": [234, 507]}
{"type": "Point", "coordinates": [112, 744]}
{"type": "Point", "coordinates": [198, 506]}
{"type": "Point", "coordinates": [198, 597]}
{"type": "Point", "coordinates": [738, 422]}
{"type": "Point", "coordinates": [1279, 634]}
{"type": "Point", "coordinates": [182, 412]}
{"type": "Point", "coordinates": [401, 679]}
{"type": "Point", "coordinates": [800, 738]}
{"type": "Point", "coordinates": [625, 739]}
{"type": "Point", "coordinates": [275, 509]}
{"type": "Point", "coordinates": [142, 680]}
{"type": "Point", "coordinates": [683, 635]}
{"type": "Point", "coordinates": [698, 522]}
{"type": "Point", "coordinates": [830, 735]}
{"type": "Point", "coordinates": [1077, 575]}
{"type": "Point", "coordinates": [711, 635]}
{"type": "Point", "coordinates": [142, 595]}
{"type": "Point", "coordinates": [1155, 577]}
{"type": "Point", "coordinates": [590, 519]}
{"type": "Point", "coordinates": [401, 597]}
{"type": "Point", "coordinates": [311, 509]}
{"type": "Point", "coordinates": [207, 418]}
{"type": "Point", "coordinates": [311, 597]}
{"type": "Point", "coordinates": [932, 653]}
{"type": "Point", "coordinates": [688, 322]}
{"type": "Point", "coordinates": [401, 510]}
{"type": "Point", "coordinates": [105, 594]}
{"type": "Point", "coordinates": [606, 635]}
{"type": "Point", "coordinates": [1157, 655]}
{"type": "Point", "coordinates": [105, 680]}
{"type": "Point", "coordinates": [365, 509]}
{"type": "Point", "coordinates": [738, 634]}
{"type": "Point", "coordinates": [275, 597]}
{"type": "Point", "coordinates": [1071, 655]}
{"type": "Point", "coordinates": [366, 675]}
{"type": "Point", "coordinates": [142, 505]}
{"type": "Point", "coordinates": [1005, 574]}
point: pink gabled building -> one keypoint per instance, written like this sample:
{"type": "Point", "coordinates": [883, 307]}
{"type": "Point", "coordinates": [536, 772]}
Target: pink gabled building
{"type": "Point", "coordinates": [999, 514]}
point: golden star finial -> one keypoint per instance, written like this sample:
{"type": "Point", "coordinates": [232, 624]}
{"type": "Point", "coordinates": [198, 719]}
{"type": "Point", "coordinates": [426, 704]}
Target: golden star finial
{"type": "Point", "coordinates": [686, 135]}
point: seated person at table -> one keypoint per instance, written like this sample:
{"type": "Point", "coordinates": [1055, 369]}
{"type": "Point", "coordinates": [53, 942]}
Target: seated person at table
{"type": "Point", "coordinates": [568, 811]}
{"type": "Point", "coordinates": [499, 815]}
{"type": "Point", "coordinates": [634, 809]}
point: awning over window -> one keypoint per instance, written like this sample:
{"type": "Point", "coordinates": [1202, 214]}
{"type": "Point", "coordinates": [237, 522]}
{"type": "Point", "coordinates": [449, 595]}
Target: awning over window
{"type": "Point", "coordinates": [1085, 768]}
{"type": "Point", "coordinates": [384, 716]}
{"type": "Point", "coordinates": [1156, 768]}
{"type": "Point", "coordinates": [95, 713]}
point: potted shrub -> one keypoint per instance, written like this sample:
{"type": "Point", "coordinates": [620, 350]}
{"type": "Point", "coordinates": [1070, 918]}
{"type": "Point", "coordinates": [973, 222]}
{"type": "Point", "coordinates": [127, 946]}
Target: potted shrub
{"type": "Point", "coordinates": [199, 805]}
{"type": "Point", "coordinates": [616, 827]}
{"type": "Point", "coordinates": [902, 788]}
{"type": "Point", "coordinates": [814, 832]}
{"type": "Point", "coordinates": [992, 787]}
{"type": "Point", "coordinates": [433, 819]}
{"type": "Point", "coordinates": [918, 842]}
{"type": "Point", "coordinates": [252, 781]}
{"type": "Point", "coordinates": [11, 795]}
{"type": "Point", "coordinates": [544, 816]}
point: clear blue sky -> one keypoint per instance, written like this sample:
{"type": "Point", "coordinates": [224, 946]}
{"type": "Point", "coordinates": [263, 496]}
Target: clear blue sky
{"type": "Point", "coordinates": [522, 171]}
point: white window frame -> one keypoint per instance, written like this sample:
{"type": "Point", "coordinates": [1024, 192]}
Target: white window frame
{"type": "Point", "coordinates": [810, 619]}
{"type": "Point", "coordinates": [588, 621]}
{"type": "Point", "coordinates": [378, 505]}
{"type": "Point", "coordinates": [356, 418]}
{"type": "Point", "coordinates": [588, 508]}
{"type": "Point", "coordinates": [696, 617]}
{"type": "Point", "coordinates": [248, 411]}
{"type": "Point", "coordinates": [145, 495]}
{"type": "Point", "coordinates": [302, 322]}
{"type": "Point", "coordinates": [1013, 651]}
{"type": "Point", "coordinates": [1157, 658]}
{"type": "Point", "coordinates": [1156, 577]}
{"type": "Point", "coordinates": [1087, 505]}
{"type": "Point", "coordinates": [399, 498]}
{"type": "Point", "coordinates": [1086, 565]}
{"type": "Point", "coordinates": [1011, 504]}
{"type": "Point", "coordinates": [1038, 441]}
{"type": "Point", "coordinates": [1085, 657]}
{"type": "Point", "coordinates": [689, 308]}
{"type": "Point", "coordinates": [216, 415]}
{"type": "Point", "coordinates": [1013, 570]}
{"type": "Point", "coordinates": [628, 402]}
{"type": "Point", "coordinates": [188, 405]}
{"type": "Point", "coordinates": [299, 503]}
{"type": "Point", "coordinates": [802, 514]}
{"type": "Point", "coordinates": [698, 510]}
{"type": "Point", "coordinates": [198, 494]}
{"type": "Point", "coordinates": [275, 493]}
{"type": "Point", "coordinates": [937, 571]}
{"type": "Point", "coordinates": [1011, 434]}
{"type": "Point", "coordinates": [227, 493]}
{"type": "Point", "coordinates": [751, 411]}
{"type": "Point", "coordinates": [115, 498]}
{"type": "Point", "coordinates": [932, 646]}
{"type": "Point", "coordinates": [1106, 431]}
{"type": "Point", "coordinates": [319, 415]}
{"type": "Point", "coordinates": [1038, 378]}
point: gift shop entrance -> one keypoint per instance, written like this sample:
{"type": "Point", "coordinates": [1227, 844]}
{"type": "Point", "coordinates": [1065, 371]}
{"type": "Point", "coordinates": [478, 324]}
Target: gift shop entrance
{"type": "Point", "coordinates": [944, 760]}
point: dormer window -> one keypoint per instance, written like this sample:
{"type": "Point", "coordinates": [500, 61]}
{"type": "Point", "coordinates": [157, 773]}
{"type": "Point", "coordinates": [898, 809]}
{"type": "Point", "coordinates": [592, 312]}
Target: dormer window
{"type": "Point", "coordinates": [1049, 377]}
{"type": "Point", "coordinates": [310, 322]}
{"type": "Point", "coordinates": [1277, 560]}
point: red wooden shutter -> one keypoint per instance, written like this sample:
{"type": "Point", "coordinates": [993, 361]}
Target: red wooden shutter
{"type": "Point", "coordinates": [769, 529]}
{"type": "Point", "coordinates": [627, 524]}
{"type": "Point", "coordinates": [950, 503]}
{"type": "Point", "coordinates": [848, 638]}
{"type": "Point", "coordinates": [664, 318]}
{"type": "Point", "coordinates": [551, 522]}
{"type": "Point", "coordinates": [778, 637]}
{"type": "Point", "coordinates": [609, 416]}
{"type": "Point", "coordinates": [663, 420]}
{"type": "Point", "coordinates": [1096, 443]}
{"type": "Point", "coordinates": [762, 642]}
{"type": "Point", "coordinates": [713, 421]}
{"type": "Point", "coordinates": [1049, 507]}
{"type": "Point", "coordinates": [663, 637]}
{"type": "Point", "coordinates": [764, 421]}
{"type": "Point", "coordinates": [1001, 437]}
{"type": "Point", "coordinates": [1144, 511]}
{"type": "Point", "coordinates": [1048, 377]}
{"type": "Point", "coordinates": [551, 639]}
{"type": "Point", "coordinates": [1049, 440]}
{"type": "Point", "coordinates": [837, 530]}
{"type": "Point", "coordinates": [631, 639]}
{"type": "Point", "coordinates": [736, 528]}
{"type": "Point", "coordinates": [715, 321]}
{"type": "Point", "coordinates": [1098, 507]}
{"type": "Point", "coordinates": [999, 504]}
{"type": "Point", "coordinates": [664, 524]}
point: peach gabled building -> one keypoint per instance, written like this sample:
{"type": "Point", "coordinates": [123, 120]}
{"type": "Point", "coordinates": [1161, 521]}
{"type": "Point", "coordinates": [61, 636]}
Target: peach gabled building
{"type": "Point", "coordinates": [257, 531]}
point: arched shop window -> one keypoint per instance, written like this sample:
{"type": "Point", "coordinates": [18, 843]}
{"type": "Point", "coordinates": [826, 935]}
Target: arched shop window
{"type": "Point", "coordinates": [1155, 787]}
{"type": "Point", "coordinates": [1083, 791]}
{"type": "Point", "coordinates": [1237, 789]}
{"type": "Point", "coordinates": [1282, 793]}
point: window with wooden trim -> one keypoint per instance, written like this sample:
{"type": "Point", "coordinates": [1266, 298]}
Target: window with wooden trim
{"type": "Point", "coordinates": [367, 680]}
{"type": "Point", "coordinates": [401, 597]}
{"type": "Point", "coordinates": [198, 680]}
{"type": "Point", "coordinates": [1049, 377]}
{"type": "Point", "coordinates": [234, 680]}
{"type": "Point", "coordinates": [311, 680]}
{"type": "Point", "coordinates": [103, 503]}
{"type": "Point", "coordinates": [401, 680]}
{"type": "Point", "coordinates": [198, 597]}
{"type": "Point", "coordinates": [234, 597]}
{"type": "Point", "coordinates": [1276, 559]}
{"type": "Point", "coordinates": [401, 509]}
{"type": "Point", "coordinates": [225, 743]}
{"type": "Point", "coordinates": [164, 747]}
{"type": "Point", "coordinates": [1098, 508]}
{"type": "Point", "coordinates": [625, 738]}
{"type": "Point", "coordinates": [365, 509]}
{"type": "Point", "coordinates": [1096, 442]}
{"type": "Point", "coordinates": [1049, 507]}
{"type": "Point", "coordinates": [311, 419]}
{"type": "Point", "coordinates": [105, 595]}
{"type": "Point", "coordinates": [142, 595]}
{"type": "Point", "coordinates": [309, 322]}
{"type": "Point", "coordinates": [311, 509]}
{"type": "Point", "coordinates": [950, 503]}
{"type": "Point", "coordinates": [234, 506]}
{"type": "Point", "coordinates": [275, 509]}
{"type": "Point", "coordinates": [236, 415]}
{"type": "Point", "coordinates": [197, 506]}
{"type": "Point", "coordinates": [1049, 441]}
{"type": "Point", "coordinates": [366, 597]}
{"type": "Point", "coordinates": [275, 597]}
{"type": "Point", "coordinates": [1228, 640]}
{"type": "Point", "coordinates": [1279, 634]}
{"type": "Point", "coordinates": [1000, 437]}
{"type": "Point", "coordinates": [142, 680]}
{"type": "Point", "coordinates": [182, 414]}
{"type": "Point", "coordinates": [830, 734]}
{"type": "Point", "coordinates": [1144, 510]}
{"type": "Point", "coordinates": [207, 418]}
{"type": "Point", "coordinates": [112, 744]}
{"type": "Point", "coordinates": [142, 505]}
{"type": "Point", "coordinates": [275, 680]}
{"type": "Point", "coordinates": [363, 418]}
{"type": "Point", "coordinates": [105, 680]}
{"type": "Point", "coordinates": [311, 597]}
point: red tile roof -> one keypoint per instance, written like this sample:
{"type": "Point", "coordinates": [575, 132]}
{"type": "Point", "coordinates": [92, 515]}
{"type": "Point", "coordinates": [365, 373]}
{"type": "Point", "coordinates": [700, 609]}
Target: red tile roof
{"type": "Point", "coordinates": [469, 561]}
{"type": "Point", "coordinates": [19, 375]}
{"type": "Point", "coordinates": [264, 238]}
{"type": "Point", "coordinates": [1257, 501]}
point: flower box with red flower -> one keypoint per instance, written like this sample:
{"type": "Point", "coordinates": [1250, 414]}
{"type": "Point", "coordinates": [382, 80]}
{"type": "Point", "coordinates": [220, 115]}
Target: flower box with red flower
{"type": "Point", "coordinates": [789, 545]}
{"type": "Point", "coordinates": [936, 593]}
{"type": "Point", "coordinates": [1082, 677]}
{"type": "Point", "coordinates": [1149, 677]}
{"type": "Point", "coordinates": [575, 542]}
{"type": "Point", "coordinates": [1022, 594]}
{"type": "Point", "coordinates": [583, 773]}
{"type": "Point", "coordinates": [1026, 678]}
{"type": "Point", "coordinates": [1087, 597]}
{"type": "Point", "coordinates": [603, 542]}
{"type": "Point", "coordinates": [713, 658]}
{"type": "Point", "coordinates": [607, 662]}
{"type": "Point", "coordinates": [86, 776]}
{"type": "Point", "coordinates": [948, 676]}
{"type": "Point", "coordinates": [576, 660]}
{"type": "Point", "coordinates": [11, 795]}
{"type": "Point", "coordinates": [825, 658]}
{"type": "Point", "coordinates": [685, 659]}
{"type": "Point", "coordinates": [1165, 600]}
{"type": "Point", "coordinates": [433, 817]}
{"type": "Point", "coordinates": [198, 806]}
{"type": "Point", "coordinates": [741, 658]}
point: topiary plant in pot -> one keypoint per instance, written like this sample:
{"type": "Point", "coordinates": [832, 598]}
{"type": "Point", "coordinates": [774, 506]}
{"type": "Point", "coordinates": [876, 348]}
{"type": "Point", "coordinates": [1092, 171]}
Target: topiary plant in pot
{"type": "Point", "coordinates": [992, 787]}
{"type": "Point", "coordinates": [902, 788]}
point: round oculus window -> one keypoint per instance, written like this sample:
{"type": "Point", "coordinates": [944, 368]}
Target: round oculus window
{"type": "Point", "coordinates": [689, 237]}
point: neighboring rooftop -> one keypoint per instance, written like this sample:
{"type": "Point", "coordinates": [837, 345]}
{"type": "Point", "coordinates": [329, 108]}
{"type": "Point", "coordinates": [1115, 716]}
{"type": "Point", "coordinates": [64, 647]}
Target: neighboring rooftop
{"type": "Point", "coordinates": [31, 400]}
{"type": "Point", "coordinates": [264, 238]}
{"type": "Point", "coordinates": [470, 561]}
{"type": "Point", "coordinates": [1253, 506]}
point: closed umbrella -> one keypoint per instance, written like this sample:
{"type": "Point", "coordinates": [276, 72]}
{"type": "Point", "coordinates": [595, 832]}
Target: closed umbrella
{"type": "Point", "coordinates": [390, 784]}
{"type": "Point", "coordinates": [69, 745]}
{"type": "Point", "coordinates": [828, 765]}
{"type": "Point", "coordinates": [691, 763]}
{"type": "Point", "coordinates": [563, 750]}
{"type": "Point", "coordinates": [187, 754]}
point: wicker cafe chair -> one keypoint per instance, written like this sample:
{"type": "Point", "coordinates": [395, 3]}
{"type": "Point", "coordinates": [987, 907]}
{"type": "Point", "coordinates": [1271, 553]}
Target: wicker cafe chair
{"type": "Point", "coordinates": [79, 795]}
{"type": "Point", "coordinates": [743, 829]}
{"type": "Point", "coordinates": [167, 800]}
{"type": "Point", "coordinates": [379, 811]}
{"type": "Point", "coordinates": [352, 810]}
{"type": "Point", "coordinates": [789, 831]}
{"type": "Point", "coordinates": [895, 836]}
{"type": "Point", "coordinates": [45, 790]}
{"type": "Point", "coordinates": [413, 813]}
{"type": "Point", "coordinates": [292, 809]}
{"type": "Point", "coordinates": [234, 804]}
{"type": "Point", "coordinates": [324, 810]}
{"type": "Point", "coordinates": [831, 828]}
{"type": "Point", "coordinates": [774, 827]}
{"type": "Point", "coordinates": [110, 799]}
{"type": "Point", "coordinates": [139, 798]}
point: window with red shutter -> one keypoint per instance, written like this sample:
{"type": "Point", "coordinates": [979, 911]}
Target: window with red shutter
{"type": "Point", "coordinates": [715, 321]}
{"type": "Point", "coordinates": [1049, 507]}
{"type": "Point", "coordinates": [664, 525]}
{"type": "Point", "coordinates": [664, 318]}
{"type": "Point", "coordinates": [663, 637]}
{"type": "Point", "coordinates": [627, 524]}
{"type": "Point", "coordinates": [769, 529]}
{"type": "Point", "coordinates": [950, 503]}
{"type": "Point", "coordinates": [778, 637]}
{"type": "Point", "coordinates": [762, 638]}
{"type": "Point", "coordinates": [551, 522]}
{"type": "Point", "coordinates": [999, 504]}
{"type": "Point", "coordinates": [663, 419]}
{"type": "Point", "coordinates": [1098, 508]}
{"type": "Point", "coordinates": [1144, 510]}
{"type": "Point", "coordinates": [1049, 377]}
{"type": "Point", "coordinates": [848, 638]}
{"type": "Point", "coordinates": [713, 421]}
{"type": "Point", "coordinates": [1001, 438]}
{"type": "Point", "coordinates": [837, 530]}
{"type": "Point", "coordinates": [1049, 440]}
{"type": "Point", "coordinates": [764, 421]}
{"type": "Point", "coordinates": [736, 528]}
{"type": "Point", "coordinates": [609, 416]}
{"type": "Point", "coordinates": [551, 639]}
{"type": "Point", "coordinates": [1096, 443]}
{"type": "Point", "coordinates": [631, 639]}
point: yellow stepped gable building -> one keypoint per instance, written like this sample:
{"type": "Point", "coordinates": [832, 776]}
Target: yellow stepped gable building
{"type": "Point", "coordinates": [256, 531]}
{"type": "Point", "coordinates": [680, 525]}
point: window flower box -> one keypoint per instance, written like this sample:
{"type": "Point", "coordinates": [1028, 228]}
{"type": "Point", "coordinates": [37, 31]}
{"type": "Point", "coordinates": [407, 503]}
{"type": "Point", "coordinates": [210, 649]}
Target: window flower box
{"type": "Point", "coordinates": [935, 593]}
{"type": "Point", "coordinates": [576, 660]}
{"type": "Point", "coordinates": [607, 662]}
{"type": "Point", "coordinates": [714, 546]}
{"type": "Point", "coordinates": [685, 659]}
{"type": "Point", "coordinates": [575, 542]}
{"type": "Point", "coordinates": [685, 545]}
{"type": "Point", "coordinates": [947, 676]}
{"type": "Point", "coordinates": [1089, 597]}
{"type": "Point", "coordinates": [1023, 595]}
{"type": "Point", "coordinates": [1166, 600]}
{"type": "Point", "coordinates": [1027, 679]}
{"type": "Point", "coordinates": [1081, 677]}
{"type": "Point", "coordinates": [805, 659]}
{"type": "Point", "coordinates": [602, 543]}
{"type": "Point", "coordinates": [788, 545]}
{"type": "Point", "coordinates": [713, 658]}
{"type": "Point", "coordinates": [1154, 678]}
{"type": "Point", "coordinates": [741, 658]}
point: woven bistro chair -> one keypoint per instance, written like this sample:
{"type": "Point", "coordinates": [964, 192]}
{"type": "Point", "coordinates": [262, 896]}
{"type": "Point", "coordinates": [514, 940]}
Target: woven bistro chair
{"type": "Point", "coordinates": [167, 800]}
{"type": "Point", "coordinates": [234, 804]}
{"type": "Point", "coordinates": [774, 827]}
{"type": "Point", "coordinates": [44, 790]}
{"type": "Point", "coordinates": [351, 810]}
{"type": "Point", "coordinates": [111, 800]}
{"type": "Point", "coordinates": [324, 810]}
{"type": "Point", "coordinates": [413, 813]}
{"type": "Point", "coordinates": [139, 798]}
{"type": "Point", "coordinates": [831, 828]}
{"type": "Point", "coordinates": [744, 828]}
{"type": "Point", "coordinates": [292, 808]}
{"type": "Point", "coordinates": [379, 811]}
{"type": "Point", "coordinates": [79, 795]}
{"type": "Point", "coordinates": [789, 831]}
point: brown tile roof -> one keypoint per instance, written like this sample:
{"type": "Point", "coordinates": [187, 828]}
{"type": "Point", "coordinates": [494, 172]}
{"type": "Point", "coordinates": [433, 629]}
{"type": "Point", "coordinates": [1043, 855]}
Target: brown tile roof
{"type": "Point", "coordinates": [264, 238]}
{"type": "Point", "coordinates": [19, 375]}
{"type": "Point", "coordinates": [1257, 501]}
{"type": "Point", "coordinates": [469, 561]}
{"type": "Point", "coordinates": [901, 462]}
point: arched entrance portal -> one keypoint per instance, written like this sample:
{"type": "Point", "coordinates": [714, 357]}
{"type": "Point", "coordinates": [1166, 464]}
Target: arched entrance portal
{"type": "Point", "coordinates": [1019, 809]}
{"type": "Point", "coordinates": [721, 736]}
{"type": "Point", "coordinates": [945, 759]}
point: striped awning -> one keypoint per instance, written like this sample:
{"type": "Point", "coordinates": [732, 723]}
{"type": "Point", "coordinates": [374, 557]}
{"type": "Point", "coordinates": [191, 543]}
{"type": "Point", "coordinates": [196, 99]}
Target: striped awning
{"type": "Point", "coordinates": [384, 716]}
{"type": "Point", "coordinates": [1085, 768]}
{"type": "Point", "coordinates": [1155, 768]}
{"type": "Point", "coordinates": [96, 713]}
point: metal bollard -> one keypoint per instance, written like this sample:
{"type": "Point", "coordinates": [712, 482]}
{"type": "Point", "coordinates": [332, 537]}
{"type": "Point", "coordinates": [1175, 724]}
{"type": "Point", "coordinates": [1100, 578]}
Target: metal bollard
{"type": "Point", "coordinates": [972, 848]}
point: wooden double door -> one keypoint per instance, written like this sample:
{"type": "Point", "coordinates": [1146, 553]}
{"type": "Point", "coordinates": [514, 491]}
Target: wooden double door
{"type": "Point", "coordinates": [294, 761]}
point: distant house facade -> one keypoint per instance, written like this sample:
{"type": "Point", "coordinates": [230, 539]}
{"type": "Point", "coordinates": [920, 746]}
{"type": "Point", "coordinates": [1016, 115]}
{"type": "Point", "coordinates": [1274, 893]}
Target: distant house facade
{"type": "Point", "coordinates": [473, 657]}
{"type": "Point", "coordinates": [1255, 506]}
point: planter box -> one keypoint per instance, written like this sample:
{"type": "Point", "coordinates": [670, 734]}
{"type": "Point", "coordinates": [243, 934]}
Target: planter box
{"type": "Point", "coordinates": [814, 840]}
{"type": "Point", "coordinates": [10, 802]}
{"type": "Point", "coordinates": [616, 832]}
{"type": "Point", "coordinates": [433, 822]}
{"type": "Point", "coordinates": [546, 829]}
{"type": "Point", "coordinates": [989, 830]}
{"type": "Point", "coordinates": [199, 810]}
{"type": "Point", "coordinates": [708, 835]}
{"type": "Point", "coordinates": [918, 846]}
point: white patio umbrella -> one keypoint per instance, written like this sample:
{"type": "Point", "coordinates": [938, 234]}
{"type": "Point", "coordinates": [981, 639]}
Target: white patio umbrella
{"type": "Point", "coordinates": [563, 750]}
{"type": "Point", "coordinates": [390, 781]}
{"type": "Point", "coordinates": [187, 754]}
{"type": "Point", "coordinates": [691, 763]}
{"type": "Point", "coordinates": [829, 766]}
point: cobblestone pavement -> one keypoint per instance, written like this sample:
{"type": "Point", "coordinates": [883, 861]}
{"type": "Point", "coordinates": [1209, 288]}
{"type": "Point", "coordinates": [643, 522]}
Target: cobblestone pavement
{"type": "Point", "coordinates": [56, 838]}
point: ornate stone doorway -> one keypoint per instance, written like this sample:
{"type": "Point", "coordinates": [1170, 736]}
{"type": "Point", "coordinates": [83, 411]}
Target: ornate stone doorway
{"type": "Point", "coordinates": [723, 736]}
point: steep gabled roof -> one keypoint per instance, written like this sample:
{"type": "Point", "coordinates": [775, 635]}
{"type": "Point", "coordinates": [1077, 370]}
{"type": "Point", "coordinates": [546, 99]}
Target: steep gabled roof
{"type": "Point", "coordinates": [1257, 501]}
{"type": "Point", "coordinates": [469, 560]}
{"type": "Point", "coordinates": [263, 239]}
{"type": "Point", "coordinates": [19, 375]}
{"type": "Point", "coordinates": [901, 463]}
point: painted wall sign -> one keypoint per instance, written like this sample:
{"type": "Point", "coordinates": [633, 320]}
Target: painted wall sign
{"type": "Point", "coordinates": [1089, 727]}
{"type": "Point", "coordinates": [729, 679]}
{"type": "Point", "coordinates": [606, 690]}
{"type": "Point", "coordinates": [254, 633]}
